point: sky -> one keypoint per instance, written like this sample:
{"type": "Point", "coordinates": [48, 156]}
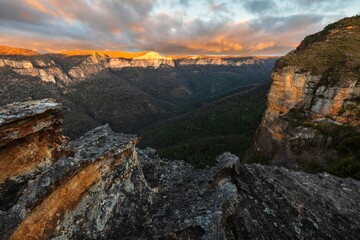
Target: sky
{"type": "Point", "coordinates": [170, 27]}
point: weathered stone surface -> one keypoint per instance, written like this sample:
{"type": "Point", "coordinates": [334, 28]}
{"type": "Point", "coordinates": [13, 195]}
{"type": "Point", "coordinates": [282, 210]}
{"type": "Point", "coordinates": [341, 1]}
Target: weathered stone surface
{"type": "Point", "coordinates": [189, 203]}
{"type": "Point", "coordinates": [97, 174]}
{"type": "Point", "coordinates": [99, 188]}
{"type": "Point", "coordinates": [30, 137]}
{"type": "Point", "coordinates": [235, 201]}
{"type": "Point", "coordinates": [283, 204]}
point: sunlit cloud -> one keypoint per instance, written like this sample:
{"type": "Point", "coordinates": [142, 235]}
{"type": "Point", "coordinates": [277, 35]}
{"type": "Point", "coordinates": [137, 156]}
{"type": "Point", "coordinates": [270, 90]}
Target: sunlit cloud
{"type": "Point", "coordinates": [234, 27]}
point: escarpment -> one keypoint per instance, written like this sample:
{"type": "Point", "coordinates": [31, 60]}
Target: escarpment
{"type": "Point", "coordinates": [100, 186]}
{"type": "Point", "coordinates": [313, 111]}
{"type": "Point", "coordinates": [71, 67]}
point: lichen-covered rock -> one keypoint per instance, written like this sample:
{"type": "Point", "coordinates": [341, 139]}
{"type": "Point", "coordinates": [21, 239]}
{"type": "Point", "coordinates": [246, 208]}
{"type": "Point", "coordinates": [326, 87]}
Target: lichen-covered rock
{"type": "Point", "coordinates": [285, 204]}
{"type": "Point", "coordinates": [189, 203]}
{"type": "Point", "coordinates": [236, 201]}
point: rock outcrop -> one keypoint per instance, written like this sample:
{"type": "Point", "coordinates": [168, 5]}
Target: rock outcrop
{"type": "Point", "coordinates": [92, 187]}
{"type": "Point", "coordinates": [100, 187]}
{"type": "Point", "coordinates": [313, 104]}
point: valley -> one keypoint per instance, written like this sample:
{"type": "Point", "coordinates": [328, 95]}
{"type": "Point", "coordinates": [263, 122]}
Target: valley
{"type": "Point", "coordinates": [128, 93]}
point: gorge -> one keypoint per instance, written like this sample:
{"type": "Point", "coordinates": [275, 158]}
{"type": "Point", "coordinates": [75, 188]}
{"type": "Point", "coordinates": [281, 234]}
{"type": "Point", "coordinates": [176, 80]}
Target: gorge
{"type": "Point", "coordinates": [102, 186]}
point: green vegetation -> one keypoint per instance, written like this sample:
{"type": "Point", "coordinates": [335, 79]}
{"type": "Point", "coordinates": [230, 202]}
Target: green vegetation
{"type": "Point", "coordinates": [345, 140]}
{"type": "Point", "coordinates": [254, 156]}
{"type": "Point", "coordinates": [198, 137]}
{"type": "Point", "coordinates": [346, 167]}
{"type": "Point", "coordinates": [333, 52]}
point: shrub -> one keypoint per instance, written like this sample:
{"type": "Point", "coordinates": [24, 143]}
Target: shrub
{"type": "Point", "coordinates": [346, 167]}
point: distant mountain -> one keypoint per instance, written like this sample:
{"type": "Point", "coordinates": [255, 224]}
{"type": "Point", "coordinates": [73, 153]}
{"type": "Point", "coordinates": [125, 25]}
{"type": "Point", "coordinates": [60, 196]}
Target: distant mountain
{"type": "Point", "coordinates": [127, 90]}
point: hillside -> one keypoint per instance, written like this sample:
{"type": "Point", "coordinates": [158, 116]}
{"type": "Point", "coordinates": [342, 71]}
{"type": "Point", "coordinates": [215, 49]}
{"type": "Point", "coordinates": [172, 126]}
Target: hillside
{"type": "Point", "coordinates": [197, 137]}
{"type": "Point", "coordinates": [312, 121]}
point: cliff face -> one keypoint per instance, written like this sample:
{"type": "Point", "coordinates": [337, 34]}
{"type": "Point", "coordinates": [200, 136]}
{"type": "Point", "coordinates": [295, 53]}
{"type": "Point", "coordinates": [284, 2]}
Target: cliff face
{"type": "Point", "coordinates": [30, 137]}
{"type": "Point", "coordinates": [45, 69]}
{"type": "Point", "coordinates": [219, 61]}
{"type": "Point", "coordinates": [314, 96]}
{"type": "Point", "coordinates": [100, 187]}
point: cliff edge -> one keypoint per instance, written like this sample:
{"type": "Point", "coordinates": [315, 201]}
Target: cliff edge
{"type": "Point", "coordinates": [313, 112]}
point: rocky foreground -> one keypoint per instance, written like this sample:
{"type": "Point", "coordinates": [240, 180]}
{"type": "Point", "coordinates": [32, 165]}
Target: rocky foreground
{"type": "Point", "coordinates": [100, 186]}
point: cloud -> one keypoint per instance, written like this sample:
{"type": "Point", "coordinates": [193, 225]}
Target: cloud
{"type": "Point", "coordinates": [321, 5]}
{"type": "Point", "coordinates": [171, 27]}
{"type": "Point", "coordinates": [259, 6]}
{"type": "Point", "coordinates": [185, 3]}
{"type": "Point", "coordinates": [276, 25]}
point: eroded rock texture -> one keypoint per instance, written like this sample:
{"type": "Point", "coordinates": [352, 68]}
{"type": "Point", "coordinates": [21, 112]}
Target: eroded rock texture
{"type": "Point", "coordinates": [236, 201]}
{"type": "Point", "coordinates": [92, 187]}
{"type": "Point", "coordinates": [100, 187]}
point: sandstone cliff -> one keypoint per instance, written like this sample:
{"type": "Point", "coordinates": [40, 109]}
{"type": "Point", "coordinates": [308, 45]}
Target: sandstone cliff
{"type": "Point", "coordinates": [313, 111]}
{"type": "Point", "coordinates": [98, 187]}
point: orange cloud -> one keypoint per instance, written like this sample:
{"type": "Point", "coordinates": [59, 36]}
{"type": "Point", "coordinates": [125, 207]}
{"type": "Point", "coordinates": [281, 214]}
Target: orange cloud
{"type": "Point", "coordinates": [116, 30]}
{"type": "Point", "coordinates": [218, 45]}
{"type": "Point", "coordinates": [27, 16]}
{"type": "Point", "coordinates": [35, 4]}
{"type": "Point", "coordinates": [263, 45]}
{"type": "Point", "coordinates": [137, 29]}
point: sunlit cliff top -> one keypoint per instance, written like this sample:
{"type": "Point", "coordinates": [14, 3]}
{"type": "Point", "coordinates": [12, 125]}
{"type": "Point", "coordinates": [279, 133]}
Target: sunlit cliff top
{"type": "Point", "coordinates": [336, 49]}
{"type": "Point", "coordinates": [111, 54]}
{"type": "Point", "coordinates": [5, 50]}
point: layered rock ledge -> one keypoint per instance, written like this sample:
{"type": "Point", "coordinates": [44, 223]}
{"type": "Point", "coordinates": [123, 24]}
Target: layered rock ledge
{"type": "Point", "coordinates": [100, 186]}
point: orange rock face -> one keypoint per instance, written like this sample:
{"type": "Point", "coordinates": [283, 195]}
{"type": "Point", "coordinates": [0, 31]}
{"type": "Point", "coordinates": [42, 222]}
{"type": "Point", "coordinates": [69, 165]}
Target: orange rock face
{"type": "Point", "coordinates": [42, 221]}
{"type": "Point", "coordinates": [293, 89]}
{"type": "Point", "coordinates": [30, 141]}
